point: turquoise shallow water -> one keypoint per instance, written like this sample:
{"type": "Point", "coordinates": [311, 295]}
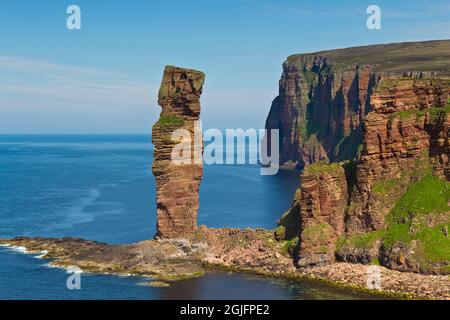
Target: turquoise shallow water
{"type": "Point", "coordinates": [101, 188]}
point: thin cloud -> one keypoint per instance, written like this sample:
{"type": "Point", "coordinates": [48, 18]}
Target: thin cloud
{"type": "Point", "coordinates": [46, 67]}
{"type": "Point", "coordinates": [44, 79]}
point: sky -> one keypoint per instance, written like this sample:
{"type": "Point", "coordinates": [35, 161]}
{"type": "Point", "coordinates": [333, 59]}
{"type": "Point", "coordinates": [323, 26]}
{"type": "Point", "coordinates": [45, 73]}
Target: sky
{"type": "Point", "coordinates": [105, 77]}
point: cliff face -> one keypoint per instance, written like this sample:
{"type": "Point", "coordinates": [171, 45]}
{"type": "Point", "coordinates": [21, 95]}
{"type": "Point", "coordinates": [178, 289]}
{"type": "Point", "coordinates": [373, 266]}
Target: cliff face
{"type": "Point", "coordinates": [409, 126]}
{"type": "Point", "coordinates": [177, 185]}
{"type": "Point", "coordinates": [399, 211]}
{"type": "Point", "coordinates": [319, 109]}
{"type": "Point", "coordinates": [392, 205]}
{"type": "Point", "coordinates": [311, 227]}
{"type": "Point", "coordinates": [322, 203]}
{"type": "Point", "coordinates": [324, 96]}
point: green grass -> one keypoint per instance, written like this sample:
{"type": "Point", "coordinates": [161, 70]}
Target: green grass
{"type": "Point", "coordinates": [322, 167]}
{"type": "Point", "coordinates": [384, 186]}
{"type": "Point", "coordinates": [435, 244]}
{"type": "Point", "coordinates": [289, 224]}
{"type": "Point", "coordinates": [395, 57]}
{"type": "Point", "coordinates": [429, 195]}
{"type": "Point", "coordinates": [366, 240]}
{"type": "Point", "coordinates": [435, 113]}
{"type": "Point", "coordinates": [289, 246]}
{"type": "Point", "coordinates": [360, 241]}
{"type": "Point", "coordinates": [170, 120]}
{"type": "Point", "coordinates": [317, 234]}
{"type": "Point", "coordinates": [438, 113]}
{"type": "Point", "coordinates": [407, 114]}
{"type": "Point", "coordinates": [280, 232]}
{"type": "Point", "coordinates": [375, 261]}
{"type": "Point", "coordinates": [310, 77]}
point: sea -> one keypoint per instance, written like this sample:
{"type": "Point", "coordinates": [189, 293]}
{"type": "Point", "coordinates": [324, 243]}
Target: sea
{"type": "Point", "coordinates": [100, 187]}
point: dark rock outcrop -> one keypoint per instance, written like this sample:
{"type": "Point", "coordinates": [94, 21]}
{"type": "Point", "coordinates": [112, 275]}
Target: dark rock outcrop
{"type": "Point", "coordinates": [177, 183]}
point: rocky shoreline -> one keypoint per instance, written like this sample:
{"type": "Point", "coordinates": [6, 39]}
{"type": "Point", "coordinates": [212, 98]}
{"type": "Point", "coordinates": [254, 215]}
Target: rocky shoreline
{"type": "Point", "coordinates": [252, 251]}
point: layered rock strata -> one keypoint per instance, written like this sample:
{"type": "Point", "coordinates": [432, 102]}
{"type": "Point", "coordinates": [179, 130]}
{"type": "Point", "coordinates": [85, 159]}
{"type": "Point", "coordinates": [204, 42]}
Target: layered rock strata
{"type": "Point", "coordinates": [319, 208]}
{"type": "Point", "coordinates": [178, 170]}
{"type": "Point", "coordinates": [322, 207]}
{"type": "Point", "coordinates": [384, 110]}
{"type": "Point", "coordinates": [392, 205]}
{"type": "Point", "coordinates": [324, 96]}
{"type": "Point", "coordinates": [408, 128]}
{"type": "Point", "coordinates": [320, 109]}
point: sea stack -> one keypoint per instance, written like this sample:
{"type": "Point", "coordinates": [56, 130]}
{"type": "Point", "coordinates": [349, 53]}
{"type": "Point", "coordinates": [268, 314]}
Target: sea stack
{"type": "Point", "coordinates": [178, 180]}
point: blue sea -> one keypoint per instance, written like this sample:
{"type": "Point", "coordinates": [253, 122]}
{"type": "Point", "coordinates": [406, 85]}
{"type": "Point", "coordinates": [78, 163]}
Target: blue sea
{"type": "Point", "coordinates": [100, 187]}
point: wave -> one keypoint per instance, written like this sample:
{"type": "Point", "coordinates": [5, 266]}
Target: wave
{"type": "Point", "coordinates": [17, 249]}
{"type": "Point", "coordinates": [71, 269]}
{"type": "Point", "coordinates": [42, 255]}
{"type": "Point", "coordinates": [23, 250]}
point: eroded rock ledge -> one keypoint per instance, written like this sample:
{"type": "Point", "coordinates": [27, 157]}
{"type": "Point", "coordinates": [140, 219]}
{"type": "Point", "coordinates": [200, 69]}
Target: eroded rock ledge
{"type": "Point", "coordinates": [166, 259]}
{"type": "Point", "coordinates": [254, 251]}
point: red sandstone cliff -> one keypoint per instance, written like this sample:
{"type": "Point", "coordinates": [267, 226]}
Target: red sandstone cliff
{"type": "Point", "coordinates": [177, 185]}
{"type": "Point", "coordinates": [324, 96]}
{"type": "Point", "coordinates": [319, 109]}
{"type": "Point", "coordinates": [408, 125]}
{"type": "Point", "coordinates": [322, 203]}
{"type": "Point", "coordinates": [405, 144]}
{"type": "Point", "coordinates": [391, 117]}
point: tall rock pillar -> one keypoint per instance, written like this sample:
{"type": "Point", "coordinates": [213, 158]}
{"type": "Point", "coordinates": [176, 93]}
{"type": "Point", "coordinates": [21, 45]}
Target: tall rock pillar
{"type": "Point", "coordinates": [178, 180]}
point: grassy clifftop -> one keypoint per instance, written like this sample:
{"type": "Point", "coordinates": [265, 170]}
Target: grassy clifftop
{"type": "Point", "coordinates": [392, 57]}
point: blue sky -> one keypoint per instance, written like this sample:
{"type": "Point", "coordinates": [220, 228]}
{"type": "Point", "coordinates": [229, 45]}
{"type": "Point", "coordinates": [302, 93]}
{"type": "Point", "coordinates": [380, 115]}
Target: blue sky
{"type": "Point", "coordinates": [104, 78]}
